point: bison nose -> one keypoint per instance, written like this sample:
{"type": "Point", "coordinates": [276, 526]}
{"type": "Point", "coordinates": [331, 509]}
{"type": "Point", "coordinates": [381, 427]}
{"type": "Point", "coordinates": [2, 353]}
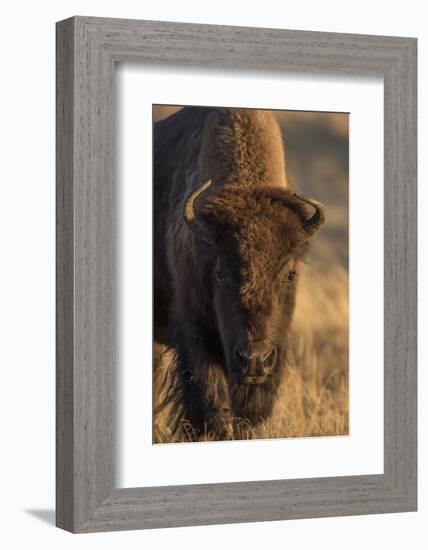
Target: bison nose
{"type": "Point", "coordinates": [258, 360]}
{"type": "Point", "coordinates": [256, 355]}
{"type": "Point", "coordinates": [242, 366]}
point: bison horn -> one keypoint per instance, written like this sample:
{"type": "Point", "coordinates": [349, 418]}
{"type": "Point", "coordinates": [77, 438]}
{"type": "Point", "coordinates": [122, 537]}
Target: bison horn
{"type": "Point", "coordinates": [312, 224]}
{"type": "Point", "coordinates": [197, 227]}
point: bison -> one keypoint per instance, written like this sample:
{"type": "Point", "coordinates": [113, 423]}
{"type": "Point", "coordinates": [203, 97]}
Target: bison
{"type": "Point", "coordinates": [228, 236]}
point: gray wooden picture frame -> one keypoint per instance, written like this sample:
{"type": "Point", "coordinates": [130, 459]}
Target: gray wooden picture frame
{"type": "Point", "coordinates": [87, 51]}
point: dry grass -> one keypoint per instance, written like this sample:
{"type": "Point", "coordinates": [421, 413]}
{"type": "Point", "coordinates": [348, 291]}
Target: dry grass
{"type": "Point", "coordinates": [313, 398]}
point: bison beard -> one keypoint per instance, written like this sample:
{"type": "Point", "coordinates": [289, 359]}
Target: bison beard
{"type": "Point", "coordinates": [229, 235]}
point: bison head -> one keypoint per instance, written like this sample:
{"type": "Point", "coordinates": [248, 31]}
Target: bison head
{"type": "Point", "coordinates": [252, 242]}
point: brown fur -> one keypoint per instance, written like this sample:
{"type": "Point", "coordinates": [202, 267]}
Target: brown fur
{"type": "Point", "coordinates": [256, 225]}
{"type": "Point", "coordinates": [264, 231]}
{"type": "Point", "coordinates": [241, 145]}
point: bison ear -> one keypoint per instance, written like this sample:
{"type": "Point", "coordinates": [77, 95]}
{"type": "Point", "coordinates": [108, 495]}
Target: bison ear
{"type": "Point", "coordinates": [312, 224]}
{"type": "Point", "coordinates": [191, 217]}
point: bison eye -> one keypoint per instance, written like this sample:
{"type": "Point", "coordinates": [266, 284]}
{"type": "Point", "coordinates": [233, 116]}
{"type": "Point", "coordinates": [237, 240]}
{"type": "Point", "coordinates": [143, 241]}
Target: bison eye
{"type": "Point", "coordinates": [291, 275]}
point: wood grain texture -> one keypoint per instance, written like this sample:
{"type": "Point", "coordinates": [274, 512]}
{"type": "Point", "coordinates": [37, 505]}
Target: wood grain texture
{"type": "Point", "coordinates": [87, 50]}
{"type": "Point", "coordinates": [64, 277]}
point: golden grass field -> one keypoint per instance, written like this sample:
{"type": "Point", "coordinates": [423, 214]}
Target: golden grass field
{"type": "Point", "coordinates": [314, 397]}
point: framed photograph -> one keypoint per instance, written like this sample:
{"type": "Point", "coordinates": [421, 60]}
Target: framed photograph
{"type": "Point", "coordinates": [236, 274]}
